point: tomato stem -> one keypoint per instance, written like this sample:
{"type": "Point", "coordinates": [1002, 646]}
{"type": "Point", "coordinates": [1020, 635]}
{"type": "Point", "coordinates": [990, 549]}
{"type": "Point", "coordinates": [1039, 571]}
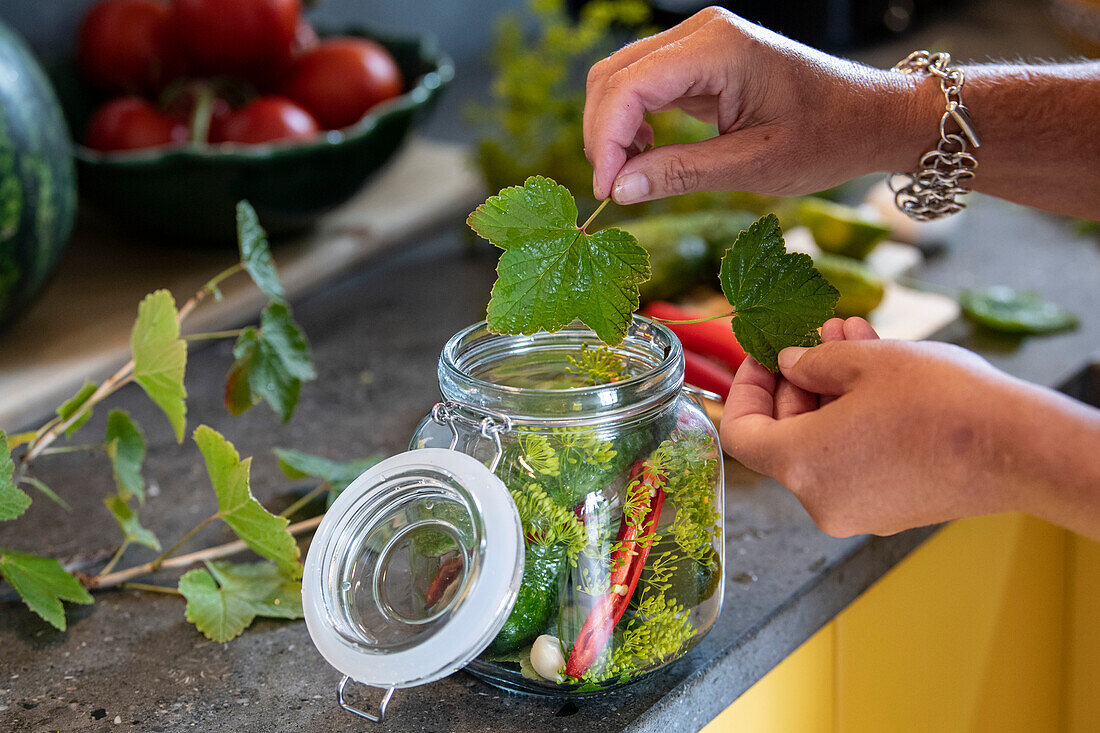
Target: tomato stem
{"type": "Point", "coordinates": [202, 114]}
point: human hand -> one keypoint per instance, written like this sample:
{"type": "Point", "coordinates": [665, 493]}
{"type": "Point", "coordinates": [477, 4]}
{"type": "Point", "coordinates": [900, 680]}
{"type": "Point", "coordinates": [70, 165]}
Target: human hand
{"type": "Point", "coordinates": [791, 120]}
{"type": "Point", "coordinates": [881, 436]}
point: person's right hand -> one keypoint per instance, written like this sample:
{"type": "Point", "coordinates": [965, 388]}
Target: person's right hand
{"type": "Point", "coordinates": [791, 120]}
{"type": "Point", "coordinates": [881, 436]}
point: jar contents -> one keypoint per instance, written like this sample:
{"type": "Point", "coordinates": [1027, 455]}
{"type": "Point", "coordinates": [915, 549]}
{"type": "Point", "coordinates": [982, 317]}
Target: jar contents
{"type": "Point", "coordinates": [620, 532]}
{"type": "Point", "coordinates": [616, 478]}
{"type": "Point", "coordinates": [619, 549]}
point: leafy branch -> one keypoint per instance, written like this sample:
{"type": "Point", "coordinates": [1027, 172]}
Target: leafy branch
{"type": "Point", "coordinates": [553, 272]}
{"type": "Point", "coordinates": [271, 362]}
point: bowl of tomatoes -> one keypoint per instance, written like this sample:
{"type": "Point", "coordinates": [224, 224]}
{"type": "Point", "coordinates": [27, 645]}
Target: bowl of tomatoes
{"type": "Point", "coordinates": [180, 108]}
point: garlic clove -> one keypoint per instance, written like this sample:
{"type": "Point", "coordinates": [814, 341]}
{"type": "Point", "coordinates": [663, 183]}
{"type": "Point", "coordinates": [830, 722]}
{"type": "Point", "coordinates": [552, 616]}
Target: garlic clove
{"type": "Point", "coordinates": [547, 658]}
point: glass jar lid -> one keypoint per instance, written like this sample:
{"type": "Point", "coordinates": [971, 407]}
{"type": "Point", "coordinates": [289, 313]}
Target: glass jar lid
{"type": "Point", "coordinates": [414, 569]}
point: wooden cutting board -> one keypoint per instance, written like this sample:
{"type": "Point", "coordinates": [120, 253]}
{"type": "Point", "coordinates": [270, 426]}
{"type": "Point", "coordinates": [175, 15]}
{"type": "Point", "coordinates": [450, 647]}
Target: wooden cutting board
{"type": "Point", "coordinates": [80, 328]}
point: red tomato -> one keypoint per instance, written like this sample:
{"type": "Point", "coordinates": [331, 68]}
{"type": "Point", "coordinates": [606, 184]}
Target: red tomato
{"type": "Point", "coordinates": [342, 78]}
{"type": "Point", "coordinates": [235, 36]}
{"type": "Point", "coordinates": [124, 46]}
{"type": "Point", "coordinates": [130, 123]}
{"type": "Point", "coordinates": [263, 120]}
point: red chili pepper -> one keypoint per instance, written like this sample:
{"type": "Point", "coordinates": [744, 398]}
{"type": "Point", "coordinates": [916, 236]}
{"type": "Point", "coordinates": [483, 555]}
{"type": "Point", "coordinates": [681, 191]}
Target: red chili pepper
{"type": "Point", "coordinates": [626, 568]}
{"type": "Point", "coordinates": [448, 571]}
{"type": "Point", "coordinates": [707, 374]}
{"type": "Point", "coordinates": [709, 338]}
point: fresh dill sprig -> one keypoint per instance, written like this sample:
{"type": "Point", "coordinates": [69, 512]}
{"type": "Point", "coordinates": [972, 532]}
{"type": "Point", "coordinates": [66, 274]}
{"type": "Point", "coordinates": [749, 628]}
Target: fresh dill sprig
{"type": "Point", "coordinates": [597, 366]}
{"type": "Point", "coordinates": [547, 524]}
{"type": "Point", "coordinates": [539, 455]}
{"type": "Point", "coordinates": [688, 461]}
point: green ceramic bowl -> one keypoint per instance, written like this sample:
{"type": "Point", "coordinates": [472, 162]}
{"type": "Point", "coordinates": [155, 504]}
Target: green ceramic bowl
{"type": "Point", "coordinates": [190, 194]}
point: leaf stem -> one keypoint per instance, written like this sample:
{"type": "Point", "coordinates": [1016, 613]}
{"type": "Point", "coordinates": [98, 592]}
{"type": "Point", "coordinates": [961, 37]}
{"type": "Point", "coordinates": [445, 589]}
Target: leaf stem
{"type": "Point", "coordinates": [210, 286]}
{"type": "Point", "coordinates": [595, 213]}
{"type": "Point", "coordinates": [305, 500]}
{"type": "Point", "coordinates": [155, 564]}
{"type": "Point", "coordinates": [114, 559]}
{"type": "Point", "coordinates": [151, 588]}
{"type": "Point", "coordinates": [113, 383]}
{"type": "Point", "coordinates": [210, 553]}
{"type": "Point", "coordinates": [213, 335]}
{"type": "Point", "coordinates": [68, 449]}
{"type": "Point", "coordinates": [690, 321]}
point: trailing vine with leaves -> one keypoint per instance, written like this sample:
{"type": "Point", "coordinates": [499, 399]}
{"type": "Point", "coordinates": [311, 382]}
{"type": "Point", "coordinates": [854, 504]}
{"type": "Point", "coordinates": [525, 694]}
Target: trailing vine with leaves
{"type": "Point", "coordinates": [270, 364]}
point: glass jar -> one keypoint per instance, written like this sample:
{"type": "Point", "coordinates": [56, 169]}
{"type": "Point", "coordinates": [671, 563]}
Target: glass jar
{"type": "Point", "coordinates": [554, 528]}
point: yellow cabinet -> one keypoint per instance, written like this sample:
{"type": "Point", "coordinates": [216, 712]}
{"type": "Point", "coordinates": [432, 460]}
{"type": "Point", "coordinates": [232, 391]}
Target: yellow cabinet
{"type": "Point", "coordinates": [991, 625]}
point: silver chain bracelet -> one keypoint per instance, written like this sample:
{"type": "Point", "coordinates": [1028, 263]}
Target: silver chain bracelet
{"type": "Point", "coordinates": [931, 192]}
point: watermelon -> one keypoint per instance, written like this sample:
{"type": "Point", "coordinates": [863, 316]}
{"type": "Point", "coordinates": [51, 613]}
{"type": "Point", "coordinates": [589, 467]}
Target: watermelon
{"type": "Point", "coordinates": [37, 180]}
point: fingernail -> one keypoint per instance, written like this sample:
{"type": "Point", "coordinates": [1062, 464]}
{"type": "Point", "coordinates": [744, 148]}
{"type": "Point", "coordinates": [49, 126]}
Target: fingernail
{"type": "Point", "coordinates": [789, 356]}
{"type": "Point", "coordinates": [630, 188]}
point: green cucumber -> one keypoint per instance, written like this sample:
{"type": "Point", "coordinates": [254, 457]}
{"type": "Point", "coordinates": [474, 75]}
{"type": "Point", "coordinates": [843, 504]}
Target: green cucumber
{"type": "Point", "coordinates": [537, 601]}
{"type": "Point", "coordinates": [684, 248]}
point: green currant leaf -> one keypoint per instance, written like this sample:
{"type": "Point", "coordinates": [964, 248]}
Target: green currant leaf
{"type": "Point", "coordinates": [69, 408]}
{"type": "Point", "coordinates": [255, 254]}
{"type": "Point", "coordinates": [553, 272]}
{"type": "Point", "coordinates": [129, 523]}
{"type": "Point", "coordinates": [160, 357]}
{"type": "Point", "coordinates": [47, 492]}
{"type": "Point", "coordinates": [270, 364]}
{"type": "Point", "coordinates": [262, 531]}
{"type": "Point", "coordinates": [1001, 308]}
{"type": "Point", "coordinates": [42, 584]}
{"type": "Point", "coordinates": [220, 616]}
{"type": "Point", "coordinates": [13, 500]}
{"type": "Point", "coordinates": [273, 593]}
{"type": "Point", "coordinates": [778, 297]}
{"type": "Point", "coordinates": [296, 465]}
{"type": "Point", "coordinates": [225, 598]}
{"type": "Point", "coordinates": [126, 449]}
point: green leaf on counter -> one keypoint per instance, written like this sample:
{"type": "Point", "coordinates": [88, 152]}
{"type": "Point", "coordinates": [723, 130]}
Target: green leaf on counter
{"type": "Point", "coordinates": [225, 598]}
{"type": "Point", "coordinates": [297, 465]}
{"type": "Point", "coordinates": [126, 449]}
{"type": "Point", "coordinates": [129, 523]}
{"type": "Point", "coordinates": [47, 492]}
{"type": "Point", "coordinates": [261, 530]}
{"type": "Point", "coordinates": [160, 357]}
{"type": "Point", "coordinates": [42, 584]}
{"type": "Point", "coordinates": [255, 253]}
{"type": "Point", "coordinates": [69, 408]}
{"type": "Point", "coordinates": [270, 364]}
{"type": "Point", "coordinates": [780, 300]}
{"type": "Point", "coordinates": [553, 272]}
{"type": "Point", "coordinates": [1004, 309]}
{"type": "Point", "coordinates": [13, 500]}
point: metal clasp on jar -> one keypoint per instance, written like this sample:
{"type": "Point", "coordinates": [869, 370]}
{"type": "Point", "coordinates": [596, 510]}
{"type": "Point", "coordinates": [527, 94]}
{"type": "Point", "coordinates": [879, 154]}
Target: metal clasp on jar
{"type": "Point", "coordinates": [491, 425]}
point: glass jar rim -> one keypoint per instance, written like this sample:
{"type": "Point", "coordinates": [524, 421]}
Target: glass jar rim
{"type": "Point", "coordinates": [648, 343]}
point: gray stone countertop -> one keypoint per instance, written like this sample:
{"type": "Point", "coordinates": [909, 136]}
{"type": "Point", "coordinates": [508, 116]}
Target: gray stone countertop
{"type": "Point", "coordinates": [376, 335]}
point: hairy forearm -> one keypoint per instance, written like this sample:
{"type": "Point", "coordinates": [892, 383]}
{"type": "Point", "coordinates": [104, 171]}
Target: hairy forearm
{"type": "Point", "coordinates": [1039, 127]}
{"type": "Point", "coordinates": [1051, 445]}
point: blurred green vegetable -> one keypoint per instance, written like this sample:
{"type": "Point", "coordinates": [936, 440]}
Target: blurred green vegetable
{"type": "Point", "coordinates": [1001, 308]}
{"type": "Point", "coordinates": [684, 249]}
{"type": "Point", "coordinates": [861, 289]}
{"type": "Point", "coordinates": [840, 229]}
